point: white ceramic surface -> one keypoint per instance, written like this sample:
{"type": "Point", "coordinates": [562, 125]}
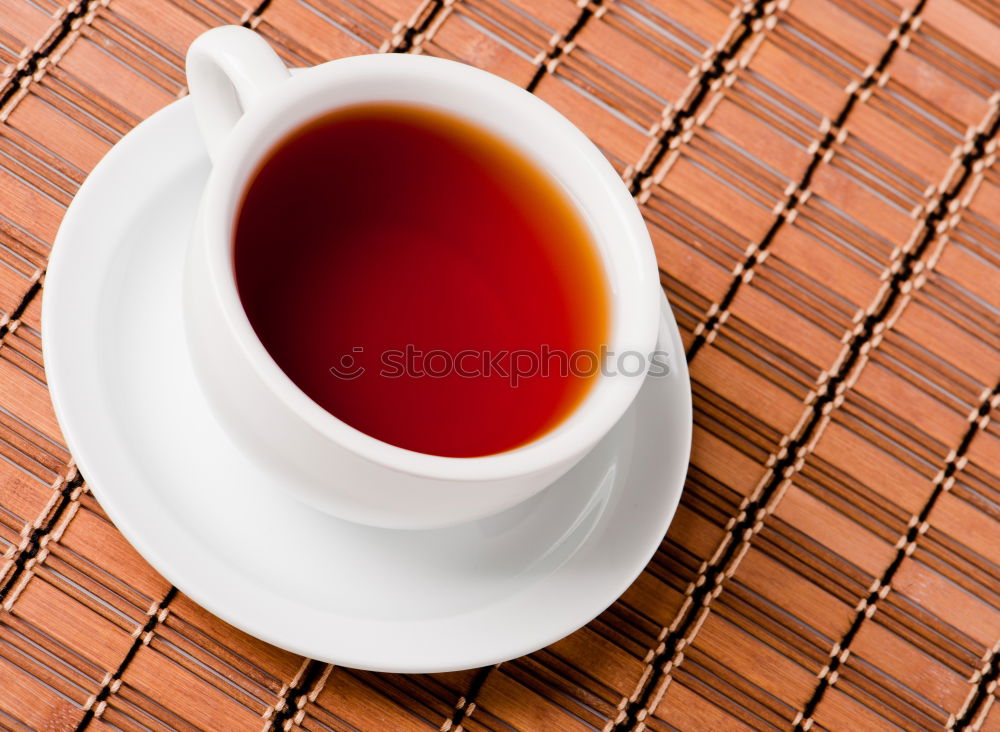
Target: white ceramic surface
{"type": "Point", "coordinates": [207, 517]}
{"type": "Point", "coordinates": [339, 469]}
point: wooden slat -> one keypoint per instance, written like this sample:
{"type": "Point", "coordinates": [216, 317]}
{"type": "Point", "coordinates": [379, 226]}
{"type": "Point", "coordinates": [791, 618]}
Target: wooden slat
{"type": "Point", "coordinates": [345, 698]}
{"type": "Point", "coordinates": [308, 32]}
{"type": "Point", "coordinates": [510, 39]}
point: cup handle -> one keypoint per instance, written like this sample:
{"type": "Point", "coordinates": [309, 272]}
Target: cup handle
{"type": "Point", "coordinates": [229, 69]}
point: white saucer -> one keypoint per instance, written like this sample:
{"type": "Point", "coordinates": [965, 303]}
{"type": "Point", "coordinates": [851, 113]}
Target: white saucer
{"type": "Point", "coordinates": [203, 514]}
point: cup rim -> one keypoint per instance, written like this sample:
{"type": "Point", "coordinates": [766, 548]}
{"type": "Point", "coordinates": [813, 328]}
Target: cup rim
{"type": "Point", "coordinates": [606, 400]}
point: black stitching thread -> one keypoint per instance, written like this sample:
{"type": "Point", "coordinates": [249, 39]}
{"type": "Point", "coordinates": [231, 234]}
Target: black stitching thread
{"type": "Point", "coordinates": [34, 542]}
{"type": "Point", "coordinates": [19, 309]}
{"type": "Point", "coordinates": [137, 642]}
{"type": "Point", "coordinates": [255, 13]}
{"type": "Point", "coordinates": [413, 31]}
{"type": "Point", "coordinates": [981, 694]}
{"type": "Point", "coordinates": [470, 695]}
{"type": "Point", "coordinates": [716, 70]}
{"type": "Point", "coordinates": [560, 48]}
{"type": "Point", "coordinates": [296, 693]}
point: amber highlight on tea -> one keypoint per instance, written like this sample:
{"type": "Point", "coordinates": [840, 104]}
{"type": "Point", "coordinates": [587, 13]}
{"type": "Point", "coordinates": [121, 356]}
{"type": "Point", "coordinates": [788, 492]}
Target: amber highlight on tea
{"type": "Point", "coordinates": [385, 227]}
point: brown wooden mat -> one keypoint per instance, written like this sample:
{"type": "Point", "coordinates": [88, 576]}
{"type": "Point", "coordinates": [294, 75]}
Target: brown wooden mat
{"type": "Point", "coordinates": [820, 178]}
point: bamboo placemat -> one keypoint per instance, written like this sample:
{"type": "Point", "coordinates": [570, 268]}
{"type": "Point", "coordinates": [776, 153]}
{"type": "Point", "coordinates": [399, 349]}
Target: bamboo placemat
{"type": "Point", "coordinates": [820, 178]}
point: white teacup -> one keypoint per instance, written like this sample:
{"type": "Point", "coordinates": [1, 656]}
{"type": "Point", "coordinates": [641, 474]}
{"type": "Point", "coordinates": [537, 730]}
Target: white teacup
{"type": "Point", "coordinates": [246, 101]}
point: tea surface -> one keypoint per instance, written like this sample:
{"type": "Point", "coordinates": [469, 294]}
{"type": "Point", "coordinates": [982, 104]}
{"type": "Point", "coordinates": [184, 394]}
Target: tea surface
{"type": "Point", "coordinates": [389, 256]}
